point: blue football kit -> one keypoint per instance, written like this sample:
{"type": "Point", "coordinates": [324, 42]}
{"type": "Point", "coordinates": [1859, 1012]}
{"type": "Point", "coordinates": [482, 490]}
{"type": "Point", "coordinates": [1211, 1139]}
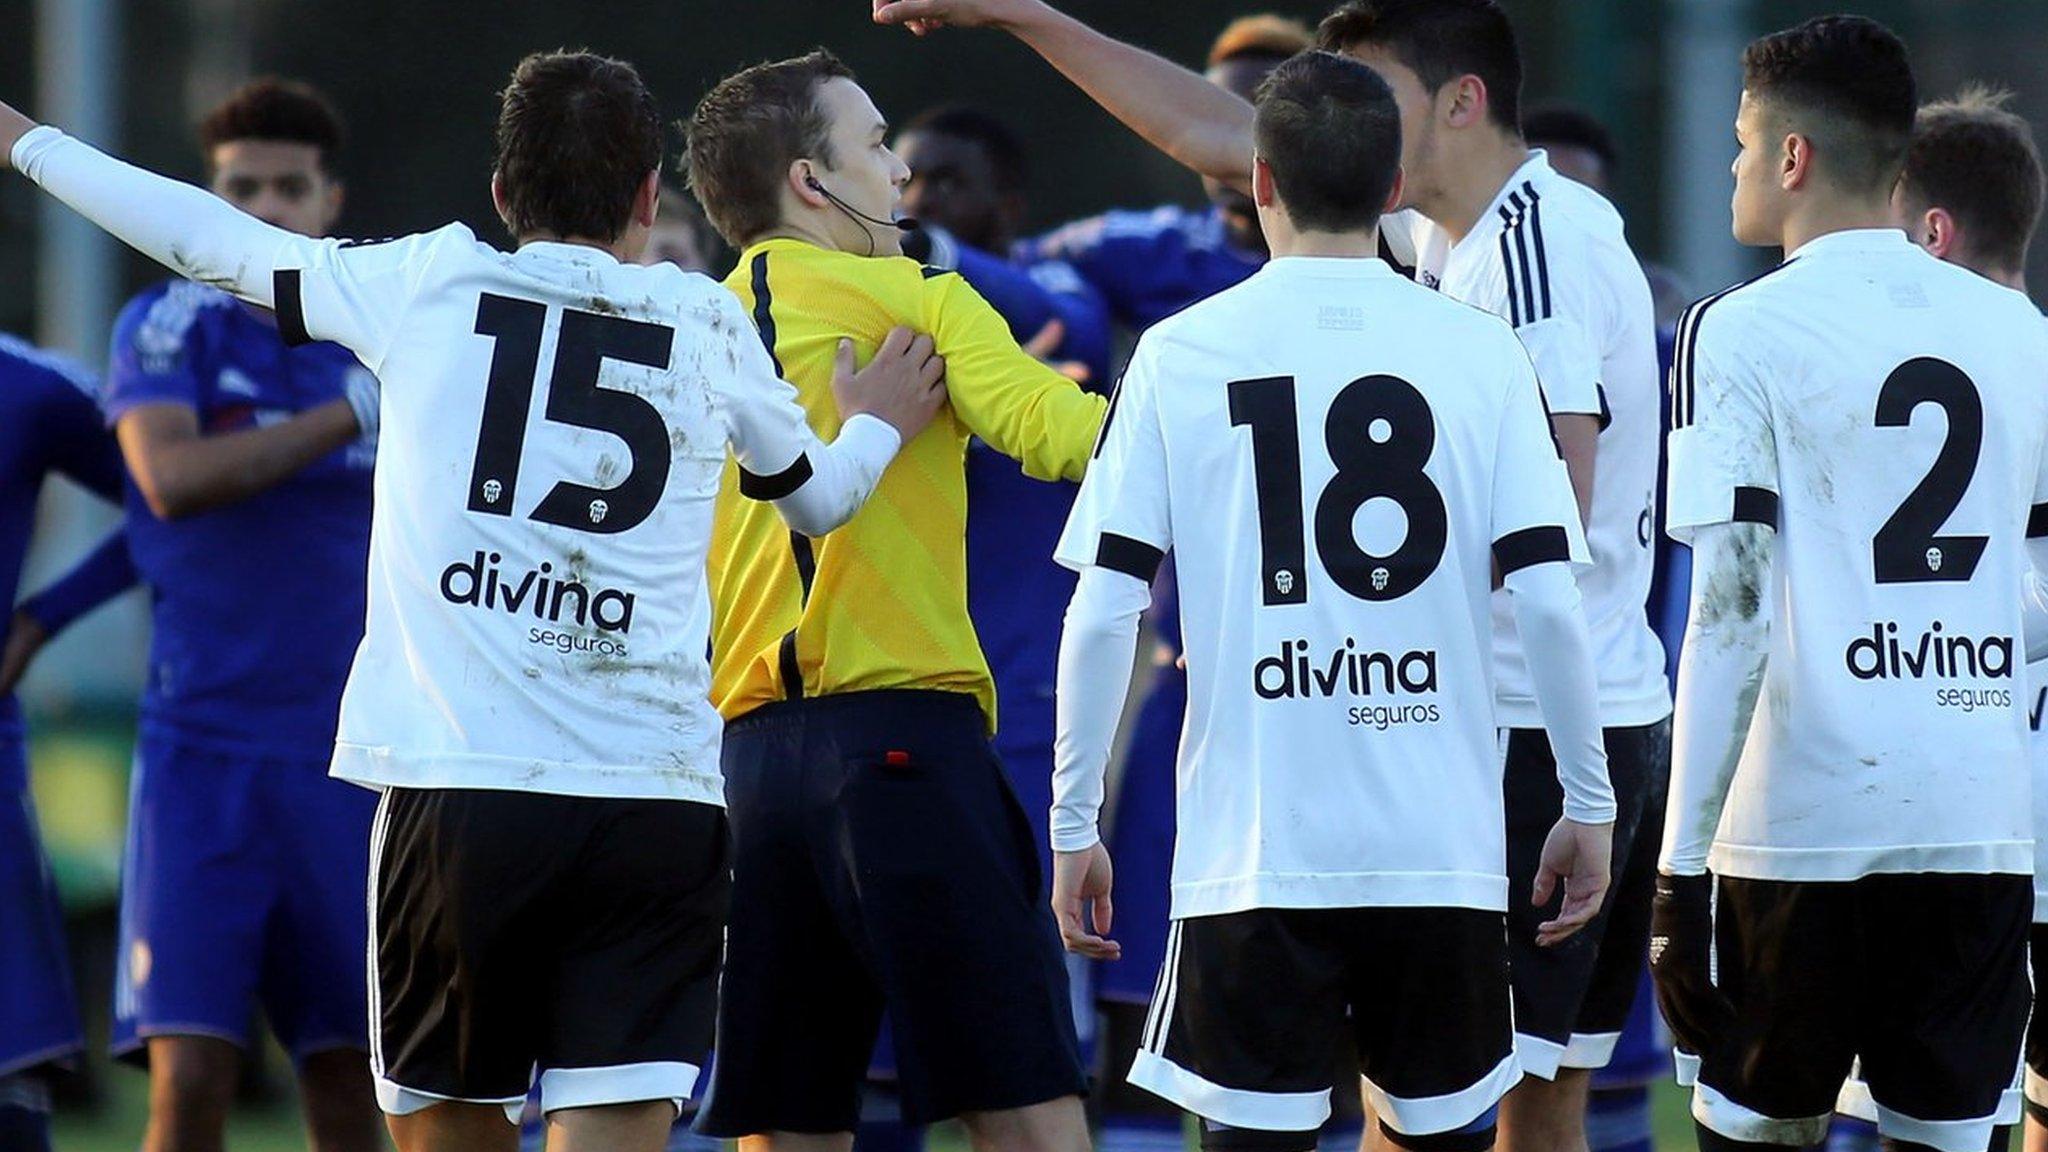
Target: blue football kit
{"type": "Point", "coordinates": [48, 424]}
{"type": "Point", "coordinates": [246, 864]}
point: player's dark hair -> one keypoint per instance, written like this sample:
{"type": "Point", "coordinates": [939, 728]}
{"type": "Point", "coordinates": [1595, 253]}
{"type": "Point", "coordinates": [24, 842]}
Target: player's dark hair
{"type": "Point", "coordinates": [578, 134]}
{"type": "Point", "coordinates": [1330, 131]}
{"type": "Point", "coordinates": [746, 133]}
{"type": "Point", "coordinates": [984, 130]}
{"type": "Point", "coordinates": [1438, 40]}
{"type": "Point", "coordinates": [1564, 126]}
{"type": "Point", "coordinates": [274, 109]}
{"type": "Point", "coordinates": [1844, 82]}
{"type": "Point", "coordinates": [1978, 160]}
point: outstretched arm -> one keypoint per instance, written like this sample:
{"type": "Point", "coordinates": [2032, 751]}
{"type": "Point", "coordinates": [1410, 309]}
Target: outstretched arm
{"type": "Point", "coordinates": [187, 229]}
{"type": "Point", "coordinates": [1175, 110]}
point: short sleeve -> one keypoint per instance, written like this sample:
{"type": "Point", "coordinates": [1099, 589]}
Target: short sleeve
{"type": "Point", "coordinates": [2037, 520]}
{"type": "Point", "coordinates": [355, 292]}
{"type": "Point", "coordinates": [1121, 517]}
{"type": "Point", "coordinates": [765, 426]}
{"type": "Point", "coordinates": [1535, 514]}
{"type": "Point", "coordinates": [153, 358]}
{"type": "Point", "coordinates": [1724, 463]}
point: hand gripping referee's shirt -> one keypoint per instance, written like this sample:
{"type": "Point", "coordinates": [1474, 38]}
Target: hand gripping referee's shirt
{"type": "Point", "coordinates": [554, 428]}
{"type": "Point", "coordinates": [882, 602]}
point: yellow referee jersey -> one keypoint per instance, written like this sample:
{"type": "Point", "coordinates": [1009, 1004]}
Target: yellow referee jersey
{"type": "Point", "coordinates": [882, 601]}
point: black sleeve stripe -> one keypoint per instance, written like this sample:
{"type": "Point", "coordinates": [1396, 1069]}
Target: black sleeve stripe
{"type": "Point", "coordinates": [755, 486]}
{"type": "Point", "coordinates": [764, 309]}
{"type": "Point", "coordinates": [1536, 238]}
{"type": "Point", "coordinates": [1755, 506]}
{"type": "Point", "coordinates": [1529, 315]}
{"type": "Point", "coordinates": [2037, 522]}
{"type": "Point", "coordinates": [1128, 556]}
{"type": "Point", "coordinates": [1684, 409]}
{"type": "Point", "coordinates": [291, 307]}
{"type": "Point", "coordinates": [1507, 263]}
{"type": "Point", "coordinates": [1606, 411]}
{"type": "Point", "coordinates": [806, 560]}
{"type": "Point", "coordinates": [931, 273]}
{"type": "Point", "coordinates": [1518, 550]}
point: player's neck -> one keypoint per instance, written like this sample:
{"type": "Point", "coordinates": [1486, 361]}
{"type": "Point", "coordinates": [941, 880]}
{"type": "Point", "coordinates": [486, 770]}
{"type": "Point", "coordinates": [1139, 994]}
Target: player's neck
{"type": "Point", "coordinates": [818, 234]}
{"type": "Point", "coordinates": [1328, 245]}
{"type": "Point", "coordinates": [1487, 161]}
{"type": "Point", "coordinates": [1814, 217]}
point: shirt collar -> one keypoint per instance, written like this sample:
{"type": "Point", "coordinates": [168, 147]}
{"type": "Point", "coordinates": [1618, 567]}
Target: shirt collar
{"type": "Point", "coordinates": [1853, 241]}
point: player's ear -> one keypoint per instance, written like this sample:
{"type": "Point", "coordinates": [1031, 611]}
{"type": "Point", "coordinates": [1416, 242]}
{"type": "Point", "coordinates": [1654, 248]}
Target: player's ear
{"type": "Point", "coordinates": [647, 201]}
{"type": "Point", "coordinates": [1263, 189]}
{"type": "Point", "coordinates": [1795, 161]}
{"type": "Point", "coordinates": [1462, 101]}
{"type": "Point", "coordinates": [498, 198]}
{"type": "Point", "coordinates": [1936, 232]}
{"type": "Point", "coordinates": [1393, 203]}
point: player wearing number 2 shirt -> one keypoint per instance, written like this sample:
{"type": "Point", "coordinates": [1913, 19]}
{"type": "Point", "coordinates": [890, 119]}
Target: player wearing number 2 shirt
{"type": "Point", "coordinates": [531, 695]}
{"type": "Point", "coordinates": [1857, 460]}
{"type": "Point", "coordinates": [1337, 489]}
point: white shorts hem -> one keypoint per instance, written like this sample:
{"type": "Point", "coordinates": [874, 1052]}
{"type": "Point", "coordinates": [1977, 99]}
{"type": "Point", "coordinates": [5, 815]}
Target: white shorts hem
{"type": "Point", "coordinates": [1449, 1112]}
{"type": "Point", "coordinates": [1735, 1122]}
{"type": "Point", "coordinates": [562, 1088]}
{"type": "Point", "coordinates": [395, 1099]}
{"type": "Point", "coordinates": [1589, 1052]}
{"type": "Point", "coordinates": [1539, 1057]}
{"type": "Point", "coordinates": [1237, 1107]}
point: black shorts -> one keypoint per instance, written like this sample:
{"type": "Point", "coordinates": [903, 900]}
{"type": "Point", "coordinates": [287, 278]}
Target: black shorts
{"type": "Point", "coordinates": [2037, 1028]}
{"type": "Point", "coordinates": [1922, 975]}
{"type": "Point", "coordinates": [882, 863]}
{"type": "Point", "coordinates": [1572, 999]}
{"type": "Point", "coordinates": [518, 933]}
{"type": "Point", "coordinates": [1252, 1008]}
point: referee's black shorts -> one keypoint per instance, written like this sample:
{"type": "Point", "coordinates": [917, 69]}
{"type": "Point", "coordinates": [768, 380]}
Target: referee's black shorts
{"type": "Point", "coordinates": [882, 863]}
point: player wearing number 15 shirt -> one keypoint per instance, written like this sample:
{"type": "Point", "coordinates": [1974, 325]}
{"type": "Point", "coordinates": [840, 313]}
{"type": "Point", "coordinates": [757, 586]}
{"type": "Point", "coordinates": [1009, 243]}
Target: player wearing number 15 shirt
{"type": "Point", "coordinates": [550, 866]}
{"type": "Point", "coordinates": [1338, 459]}
{"type": "Point", "coordinates": [1857, 459]}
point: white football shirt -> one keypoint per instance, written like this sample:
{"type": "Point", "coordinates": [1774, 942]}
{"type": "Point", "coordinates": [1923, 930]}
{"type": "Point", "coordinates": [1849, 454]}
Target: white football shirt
{"type": "Point", "coordinates": [555, 424]}
{"type": "Point", "coordinates": [1335, 456]}
{"type": "Point", "coordinates": [554, 427]}
{"type": "Point", "coordinates": [1549, 256]}
{"type": "Point", "coordinates": [1886, 413]}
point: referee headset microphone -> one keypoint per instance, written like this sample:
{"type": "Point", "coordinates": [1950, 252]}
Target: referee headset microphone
{"type": "Point", "coordinates": [906, 224]}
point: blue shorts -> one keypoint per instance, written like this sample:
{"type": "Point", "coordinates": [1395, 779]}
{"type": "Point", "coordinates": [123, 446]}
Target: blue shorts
{"type": "Point", "coordinates": [1141, 842]}
{"type": "Point", "coordinates": [38, 1007]}
{"type": "Point", "coordinates": [244, 884]}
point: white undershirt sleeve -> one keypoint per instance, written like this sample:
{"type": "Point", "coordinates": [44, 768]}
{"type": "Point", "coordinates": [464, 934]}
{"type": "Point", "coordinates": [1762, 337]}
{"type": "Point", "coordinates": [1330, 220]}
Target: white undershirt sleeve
{"type": "Point", "coordinates": [1545, 601]}
{"type": "Point", "coordinates": [1720, 675]}
{"type": "Point", "coordinates": [185, 228]}
{"type": "Point", "coordinates": [1097, 648]}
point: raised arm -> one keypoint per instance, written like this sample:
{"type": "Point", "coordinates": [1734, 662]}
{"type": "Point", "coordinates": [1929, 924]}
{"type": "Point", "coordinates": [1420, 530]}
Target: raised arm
{"type": "Point", "coordinates": [187, 229]}
{"type": "Point", "coordinates": [1175, 110]}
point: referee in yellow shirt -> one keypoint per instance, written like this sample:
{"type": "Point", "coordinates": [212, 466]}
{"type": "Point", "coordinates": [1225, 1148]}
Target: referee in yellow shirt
{"type": "Point", "coordinates": [881, 862]}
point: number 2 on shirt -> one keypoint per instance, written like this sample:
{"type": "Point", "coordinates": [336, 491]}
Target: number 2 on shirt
{"type": "Point", "coordinates": [1379, 433]}
{"type": "Point", "coordinates": [587, 341]}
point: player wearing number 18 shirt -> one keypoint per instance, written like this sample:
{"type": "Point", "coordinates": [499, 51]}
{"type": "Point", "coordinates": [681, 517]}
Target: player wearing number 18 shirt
{"type": "Point", "coordinates": [550, 867]}
{"type": "Point", "coordinates": [1857, 459]}
{"type": "Point", "coordinates": [1337, 459]}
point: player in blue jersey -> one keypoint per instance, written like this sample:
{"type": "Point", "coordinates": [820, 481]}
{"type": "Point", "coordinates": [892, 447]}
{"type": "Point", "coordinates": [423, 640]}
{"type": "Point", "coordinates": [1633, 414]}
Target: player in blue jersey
{"type": "Point", "coordinates": [249, 519]}
{"type": "Point", "coordinates": [1149, 264]}
{"type": "Point", "coordinates": [48, 424]}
